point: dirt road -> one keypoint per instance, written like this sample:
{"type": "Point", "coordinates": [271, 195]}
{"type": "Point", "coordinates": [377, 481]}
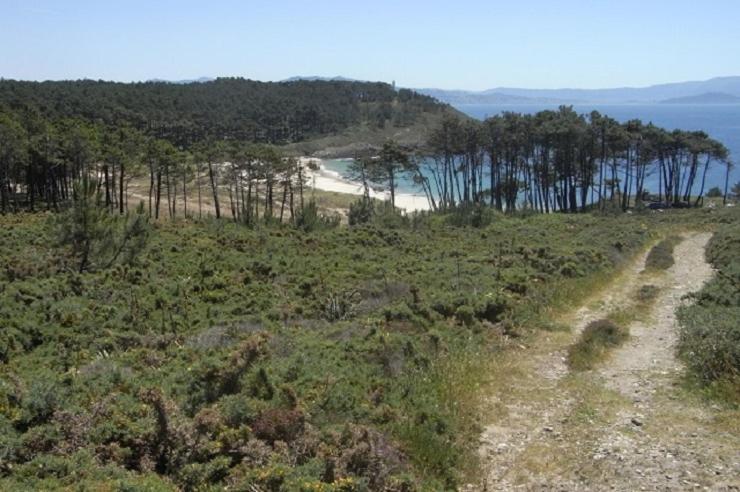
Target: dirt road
{"type": "Point", "coordinates": [628, 424]}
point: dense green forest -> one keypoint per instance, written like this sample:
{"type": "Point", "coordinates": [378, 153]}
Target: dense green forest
{"type": "Point", "coordinates": [227, 108]}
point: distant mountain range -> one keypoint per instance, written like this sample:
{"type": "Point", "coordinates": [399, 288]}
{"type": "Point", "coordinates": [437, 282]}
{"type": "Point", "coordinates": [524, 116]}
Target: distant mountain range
{"type": "Point", "coordinates": [200, 80]}
{"type": "Point", "coordinates": [720, 90]}
{"type": "Point", "coordinates": [322, 79]}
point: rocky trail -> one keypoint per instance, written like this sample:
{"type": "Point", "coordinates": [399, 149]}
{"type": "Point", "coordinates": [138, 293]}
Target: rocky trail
{"type": "Point", "coordinates": [626, 425]}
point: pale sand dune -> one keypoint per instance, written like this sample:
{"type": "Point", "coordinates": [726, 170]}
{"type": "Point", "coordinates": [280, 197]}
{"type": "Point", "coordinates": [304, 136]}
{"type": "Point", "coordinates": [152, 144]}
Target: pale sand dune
{"type": "Point", "coordinates": [326, 180]}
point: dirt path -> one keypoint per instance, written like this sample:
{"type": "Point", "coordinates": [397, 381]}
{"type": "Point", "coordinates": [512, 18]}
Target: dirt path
{"type": "Point", "coordinates": [627, 425]}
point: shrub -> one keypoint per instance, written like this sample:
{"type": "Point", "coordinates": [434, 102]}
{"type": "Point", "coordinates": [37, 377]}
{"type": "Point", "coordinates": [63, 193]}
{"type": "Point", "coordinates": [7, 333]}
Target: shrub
{"type": "Point", "coordinates": [595, 341]}
{"type": "Point", "coordinates": [465, 315]}
{"type": "Point", "coordinates": [477, 216]}
{"type": "Point", "coordinates": [340, 305]}
{"type": "Point", "coordinates": [647, 293]}
{"type": "Point", "coordinates": [709, 341]}
{"type": "Point", "coordinates": [714, 192]}
{"type": "Point", "coordinates": [309, 219]}
{"type": "Point", "coordinates": [279, 424]}
{"type": "Point", "coordinates": [40, 402]}
{"type": "Point", "coordinates": [360, 212]}
{"type": "Point", "coordinates": [661, 256]}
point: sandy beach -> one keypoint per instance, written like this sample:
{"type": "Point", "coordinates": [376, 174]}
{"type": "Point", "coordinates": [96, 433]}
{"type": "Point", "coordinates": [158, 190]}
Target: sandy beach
{"type": "Point", "coordinates": [327, 180]}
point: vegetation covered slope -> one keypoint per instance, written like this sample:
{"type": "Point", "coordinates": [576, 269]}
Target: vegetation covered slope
{"type": "Point", "coordinates": [227, 108]}
{"type": "Point", "coordinates": [710, 335]}
{"type": "Point", "coordinates": [271, 358]}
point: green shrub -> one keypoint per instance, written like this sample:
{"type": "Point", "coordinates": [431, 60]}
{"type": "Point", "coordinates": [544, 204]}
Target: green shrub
{"type": "Point", "coordinates": [661, 256]}
{"type": "Point", "coordinates": [40, 402]}
{"type": "Point", "coordinates": [594, 343]}
{"type": "Point", "coordinates": [309, 219]}
{"type": "Point", "coordinates": [709, 341]}
{"type": "Point", "coordinates": [465, 315]}
{"type": "Point", "coordinates": [477, 216]}
{"type": "Point", "coordinates": [714, 192]}
{"type": "Point", "coordinates": [361, 212]}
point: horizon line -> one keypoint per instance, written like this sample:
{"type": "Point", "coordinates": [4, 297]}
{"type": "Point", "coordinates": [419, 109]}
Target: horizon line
{"type": "Point", "coordinates": [206, 79]}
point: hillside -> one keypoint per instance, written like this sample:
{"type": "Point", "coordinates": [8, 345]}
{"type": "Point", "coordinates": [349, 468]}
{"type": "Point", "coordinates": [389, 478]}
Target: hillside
{"type": "Point", "coordinates": [226, 108]}
{"type": "Point", "coordinates": [222, 355]}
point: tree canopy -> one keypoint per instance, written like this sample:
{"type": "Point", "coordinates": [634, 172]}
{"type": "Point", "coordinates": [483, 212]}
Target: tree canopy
{"type": "Point", "coordinates": [227, 108]}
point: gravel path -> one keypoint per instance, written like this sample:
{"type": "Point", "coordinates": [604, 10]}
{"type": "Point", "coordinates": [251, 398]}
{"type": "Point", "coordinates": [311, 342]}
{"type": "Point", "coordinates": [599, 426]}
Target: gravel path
{"type": "Point", "coordinates": [627, 425]}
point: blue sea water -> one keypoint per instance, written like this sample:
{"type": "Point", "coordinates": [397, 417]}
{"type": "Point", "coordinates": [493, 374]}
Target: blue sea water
{"type": "Point", "coordinates": [721, 122]}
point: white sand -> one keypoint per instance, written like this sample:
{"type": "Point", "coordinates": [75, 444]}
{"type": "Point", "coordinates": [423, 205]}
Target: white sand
{"type": "Point", "coordinates": [327, 180]}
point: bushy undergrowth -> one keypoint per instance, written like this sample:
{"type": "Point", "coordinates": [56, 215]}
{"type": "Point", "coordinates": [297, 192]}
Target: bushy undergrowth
{"type": "Point", "coordinates": [274, 358]}
{"type": "Point", "coordinates": [660, 256]}
{"type": "Point", "coordinates": [595, 342]}
{"type": "Point", "coordinates": [709, 340]}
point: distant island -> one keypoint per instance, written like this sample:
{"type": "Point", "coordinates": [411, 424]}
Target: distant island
{"type": "Point", "coordinates": [706, 98]}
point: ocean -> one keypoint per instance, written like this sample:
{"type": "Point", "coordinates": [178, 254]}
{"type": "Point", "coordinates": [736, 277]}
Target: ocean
{"type": "Point", "coordinates": [721, 122]}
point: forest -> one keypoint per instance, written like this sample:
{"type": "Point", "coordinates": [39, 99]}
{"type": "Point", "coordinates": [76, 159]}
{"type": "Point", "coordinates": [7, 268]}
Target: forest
{"type": "Point", "coordinates": [224, 109]}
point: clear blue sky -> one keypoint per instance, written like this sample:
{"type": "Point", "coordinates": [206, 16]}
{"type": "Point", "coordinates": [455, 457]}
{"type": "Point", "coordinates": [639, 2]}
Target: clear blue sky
{"type": "Point", "coordinates": [468, 44]}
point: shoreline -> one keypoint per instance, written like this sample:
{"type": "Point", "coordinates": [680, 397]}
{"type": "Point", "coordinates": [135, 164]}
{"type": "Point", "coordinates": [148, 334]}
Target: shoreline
{"type": "Point", "coordinates": [328, 180]}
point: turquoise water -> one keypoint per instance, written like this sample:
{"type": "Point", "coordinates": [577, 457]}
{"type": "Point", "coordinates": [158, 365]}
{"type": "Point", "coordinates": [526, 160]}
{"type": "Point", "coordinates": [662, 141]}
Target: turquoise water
{"type": "Point", "coordinates": [721, 122]}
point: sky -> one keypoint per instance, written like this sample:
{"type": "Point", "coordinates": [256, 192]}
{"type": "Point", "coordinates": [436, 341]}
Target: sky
{"type": "Point", "coordinates": [462, 44]}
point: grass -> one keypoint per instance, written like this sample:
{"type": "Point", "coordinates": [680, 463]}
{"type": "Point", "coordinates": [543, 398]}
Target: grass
{"type": "Point", "coordinates": [594, 344]}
